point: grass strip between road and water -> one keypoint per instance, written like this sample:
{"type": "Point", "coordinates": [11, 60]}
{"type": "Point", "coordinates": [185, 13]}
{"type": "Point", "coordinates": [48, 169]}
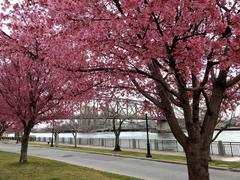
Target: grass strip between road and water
{"type": "Point", "coordinates": [44, 169]}
{"type": "Point", "coordinates": [155, 156]}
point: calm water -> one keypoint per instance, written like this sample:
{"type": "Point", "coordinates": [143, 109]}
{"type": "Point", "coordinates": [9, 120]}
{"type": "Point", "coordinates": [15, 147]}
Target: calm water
{"type": "Point", "coordinates": [232, 136]}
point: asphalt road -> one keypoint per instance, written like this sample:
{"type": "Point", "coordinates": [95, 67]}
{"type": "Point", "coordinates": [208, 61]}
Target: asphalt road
{"type": "Point", "coordinates": [144, 169]}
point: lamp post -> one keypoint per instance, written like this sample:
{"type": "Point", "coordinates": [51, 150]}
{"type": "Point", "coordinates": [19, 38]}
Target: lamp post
{"type": "Point", "coordinates": [148, 155]}
{"type": "Point", "coordinates": [52, 134]}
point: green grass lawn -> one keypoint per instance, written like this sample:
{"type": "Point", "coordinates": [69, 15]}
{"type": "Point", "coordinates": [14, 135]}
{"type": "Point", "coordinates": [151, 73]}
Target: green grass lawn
{"type": "Point", "coordinates": [161, 157]}
{"type": "Point", "coordinates": [225, 164]}
{"type": "Point", "coordinates": [43, 169]}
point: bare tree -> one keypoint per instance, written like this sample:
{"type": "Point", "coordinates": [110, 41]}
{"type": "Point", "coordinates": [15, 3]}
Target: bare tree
{"type": "Point", "coordinates": [55, 126]}
{"type": "Point", "coordinates": [119, 117]}
{"type": "Point", "coordinates": [117, 127]}
{"type": "Point", "coordinates": [75, 126]}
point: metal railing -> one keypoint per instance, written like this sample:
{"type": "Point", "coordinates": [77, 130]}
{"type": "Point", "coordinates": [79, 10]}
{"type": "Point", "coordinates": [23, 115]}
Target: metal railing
{"type": "Point", "coordinates": [216, 148]}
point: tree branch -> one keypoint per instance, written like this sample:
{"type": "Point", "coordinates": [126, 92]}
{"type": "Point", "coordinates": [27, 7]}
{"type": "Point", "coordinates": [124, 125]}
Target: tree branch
{"type": "Point", "coordinates": [222, 7]}
{"type": "Point", "coordinates": [155, 18]}
{"type": "Point", "coordinates": [220, 131]}
{"type": "Point", "coordinates": [210, 64]}
{"type": "Point", "coordinates": [233, 81]}
{"type": "Point", "coordinates": [145, 94]}
{"type": "Point", "coordinates": [118, 5]}
{"type": "Point", "coordinates": [206, 101]}
{"type": "Point", "coordinates": [157, 75]}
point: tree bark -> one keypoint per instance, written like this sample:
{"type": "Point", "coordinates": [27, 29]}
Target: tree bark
{"type": "Point", "coordinates": [56, 139]}
{"type": "Point", "coordinates": [1, 133]}
{"type": "Point", "coordinates": [1, 136]}
{"type": "Point", "coordinates": [197, 161]}
{"type": "Point", "coordinates": [117, 132]}
{"type": "Point", "coordinates": [117, 142]}
{"type": "Point", "coordinates": [24, 145]}
{"type": "Point", "coordinates": [2, 130]}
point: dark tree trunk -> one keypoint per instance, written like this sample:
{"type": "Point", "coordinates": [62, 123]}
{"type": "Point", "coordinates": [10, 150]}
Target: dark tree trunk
{"type": "Point", "coordinates": [0, 136]}
{"type": "Point", "coordinates": [24, 145]}
{"type": "Point", "coordinates": [197, 162]}
{"type": "Point", "coordinates": [117, 132]}
{"type": "Point", "coordinates": [1, 133]}
{"type": "Point", "coordinates": [56, 139]}
{"type": "Point", "coordinates": [117, 142]}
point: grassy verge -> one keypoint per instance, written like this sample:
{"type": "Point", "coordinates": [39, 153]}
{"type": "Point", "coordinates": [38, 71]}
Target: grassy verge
{"type": "Point", "coordinates": [225, 164]}
{"type": "Point", "coordinates": [43, 169]}
{"type": "Point", "coordinates": [161, 157]}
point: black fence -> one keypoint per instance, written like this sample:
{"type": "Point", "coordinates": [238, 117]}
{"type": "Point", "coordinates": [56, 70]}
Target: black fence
{"type": "Point", "coordinates": [216, 148]}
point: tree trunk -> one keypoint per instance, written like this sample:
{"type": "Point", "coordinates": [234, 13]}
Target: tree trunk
{"type": "Point", "coordinates": [197, 162]}
{"type": "Point", "coordinates": [1, 133]}
{"type": "Point", "coordinates": [24, 145]}
{"type": "Point", "coordinates": [56, 139]}
{"type": "Point", "coordinates": [117, 142]}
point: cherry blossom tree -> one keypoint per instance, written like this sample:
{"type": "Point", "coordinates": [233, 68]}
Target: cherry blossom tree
{"type": "Point", "coordinates": [32, 90]}
{"type": "Point", "coordinates": [176, 53]}
{"type": "Point", "coordinates": [180, 53]}
{"type": "Point", "coordinates": [189, 54]}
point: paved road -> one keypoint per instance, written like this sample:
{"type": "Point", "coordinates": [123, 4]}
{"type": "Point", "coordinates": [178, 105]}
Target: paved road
{"type": "Point", "coordinates": [150, 170]}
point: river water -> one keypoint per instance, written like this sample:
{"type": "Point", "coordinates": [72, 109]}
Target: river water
{"type": "Point", "coordinates": [229, 136]}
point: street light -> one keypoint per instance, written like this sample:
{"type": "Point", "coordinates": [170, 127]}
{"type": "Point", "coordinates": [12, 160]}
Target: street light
{"type": "Point", "coordinates": [52, 134]}
{"type": "Point", "coordinates": [148, 155]}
